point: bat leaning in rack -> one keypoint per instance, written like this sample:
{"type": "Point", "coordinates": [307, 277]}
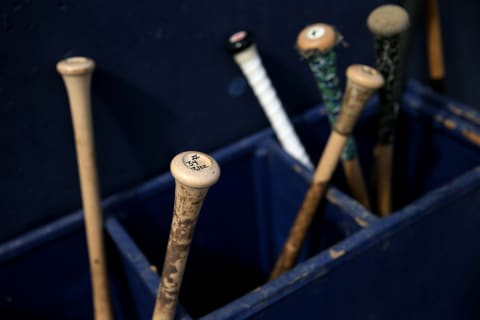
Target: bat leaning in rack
{"type": "Point", "coordinates": [388, 24]}
{"type": "Point", "coordinates": [77, 73]}
{"type": "Point", "coordinates": [362, 81]}
{"type": "Point", "coordinates": [436, 67]}
{"type": "Point", "coordinates": [242, 47]}
{"type": "Point", "coordinates": [194, 174]}
{"type": "Point", "coordinates": [316, 43]}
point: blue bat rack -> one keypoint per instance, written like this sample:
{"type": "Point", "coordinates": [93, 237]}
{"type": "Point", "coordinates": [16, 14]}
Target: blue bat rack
{"type": "Point", "coordinates": [420, 262]}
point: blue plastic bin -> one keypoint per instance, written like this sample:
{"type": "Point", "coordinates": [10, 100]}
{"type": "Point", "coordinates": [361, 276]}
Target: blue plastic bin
{"type": "Point", "coordinates": [421, 262]}
{"type": "Point", "coordinates": [242, 226]}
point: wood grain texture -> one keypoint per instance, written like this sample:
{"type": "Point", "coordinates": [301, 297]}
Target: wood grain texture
{"type": "Point", "coordinates": [309, 206]}
{"type": "Point", "coordinates": [77, 74]}
{"type": "Point", "coordinates": [436, 66]}
{"type": "Point", "coordinates": [383, 171]}
{"type": "Point", "coordinates": [362, 82]}
{"type": "Point", "coordinates": [194, 173]}
{"type": "Point", "coordinates": [356, 181]}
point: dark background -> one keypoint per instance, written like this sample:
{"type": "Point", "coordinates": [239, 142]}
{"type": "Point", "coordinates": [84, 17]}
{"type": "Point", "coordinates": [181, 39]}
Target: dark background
{"type": "Point", "coordinates": [164, 84]}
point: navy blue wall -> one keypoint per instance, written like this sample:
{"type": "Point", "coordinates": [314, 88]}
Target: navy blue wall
{"type": "Point", "coordinates": [164, 84]}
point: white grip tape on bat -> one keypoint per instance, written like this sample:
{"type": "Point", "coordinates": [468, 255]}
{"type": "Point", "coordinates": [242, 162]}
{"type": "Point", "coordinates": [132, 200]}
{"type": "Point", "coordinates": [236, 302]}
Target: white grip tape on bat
{"type": "Point", "coordinates": [263, 89]}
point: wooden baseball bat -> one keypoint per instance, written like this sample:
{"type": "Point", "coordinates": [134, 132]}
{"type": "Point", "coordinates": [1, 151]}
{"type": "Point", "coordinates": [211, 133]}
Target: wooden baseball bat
{"type": "Point", "coordinates": [387, 23]}
{"type": "Point", "coordinates": [194, 173]}
{"type": "Point", "coordinates": [434, 46]}
{"type": "Point", "coordinates": [242, 47]}
{"type": "Point", "coordinates": [415, 10]}
{"type": "Point", "coordinates": [316, 43]}
{"type": "Point", "coordinates": [362, 82]}
{"type": "Point", "coordinates": [77, 74]}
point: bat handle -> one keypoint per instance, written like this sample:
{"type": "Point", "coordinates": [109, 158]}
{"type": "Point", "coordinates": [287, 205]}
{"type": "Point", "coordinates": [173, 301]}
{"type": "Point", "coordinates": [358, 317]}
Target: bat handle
{"type": "Point", "coordinates": [434, 46]}
{"type": "Point", "coordinates": [245, 54]}
{"type": "Point", "coordinates": [362, 82]}
{"type": "Point", "coordinates": [383, 172]}
{"type": "Point", "coordinates": [299, 229]}
{"type": "Point", "coordinates": [388, 24]}
{"type": "Point", "coordinates": [77, 73]}
{"type": "Point", "coordinates": [194, 173]}
{"type": "Point", "coordinates": [316, 43]}
{"type": "Point", "coordinates": [356, 181]}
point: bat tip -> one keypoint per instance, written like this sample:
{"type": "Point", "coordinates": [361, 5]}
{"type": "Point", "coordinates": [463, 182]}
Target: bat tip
{"type": "Point", "coordinates": [75, 66]}
{"type": "Point", "coordinates": [317, 37]}
{"type": "Point", "coordinates": [195, 169]}
{"type": "Point", "coordinates": [365, 76]}
{"type": "Point", "coordinates": [388, 20]}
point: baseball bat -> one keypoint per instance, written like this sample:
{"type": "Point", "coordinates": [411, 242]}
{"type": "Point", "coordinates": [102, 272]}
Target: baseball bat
{"type": "Point", "coordinates": [362, 81]}
{"type": "Point", "coordinates": [316, 43]}
{"type": "Point", "coordinates": [436, 67]}
{"type": "Point", "coordinates": [387, 23]}
{"type": "Point", "coordinates": [242, 47]}
{"type": "Point", "coordinates": [77, 74]}
{"type": "Point", "coordinates": [415, 10]}
{"type": "Point", "coordinates": [194, 174]}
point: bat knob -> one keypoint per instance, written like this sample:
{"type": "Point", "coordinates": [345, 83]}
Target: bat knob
{"type": "Point", "coordinates": [239, 42]}
{"type": "Point", "coordinates": [75, 66]}
{"type": "Point", "coordinates": [365, 76]}
{"type": "Point", "coordinates": [317, 37]}
{"type": "Point", "coordinates": [388, 20]}
{"type": "Point", "coordinates": [195, 169]}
